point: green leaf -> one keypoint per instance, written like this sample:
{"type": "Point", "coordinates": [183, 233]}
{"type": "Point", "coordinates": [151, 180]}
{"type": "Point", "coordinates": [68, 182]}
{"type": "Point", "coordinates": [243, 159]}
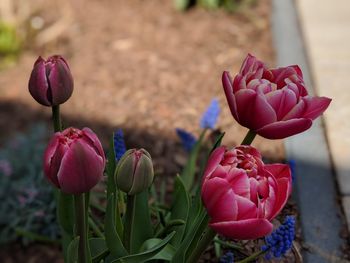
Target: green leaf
{"type": "Point", "coordinates": [138, 226]}
{"type": "Point", "coordinates": [179, 209]}
{"type": "Point", "coordinates": [72, 251]}
{"type": "Point", "coordinates": [218, 142]}
{"type": "Point", "coordinates": [191, 238]}
{"type": "Point", "coordinates": [111, 165]}
{"type": "Point", "coordinates": [146, 255]}
{"type": "Point", "coordinates": [189, 170]}
{"type": "Point", "coordinates": [98, 249]}
{"type": "Point", "coordinates": [165, 254]}
{"type": "Point", "coordinates": [113, 240]}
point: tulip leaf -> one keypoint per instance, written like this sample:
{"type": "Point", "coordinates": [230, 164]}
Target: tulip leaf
{"type": "Point", "coordinates": [149, 254]}
{"type": "Point", "coordinates": [180, 209]}
{"type": "Point", "coordinates": [111, 165]}
{"type": "Point", "coordinates": [191, 238]}
{"type": "Point", "coordinates": [218, 141]}
{"type": "Point", "coordinates": [65, 212]}
{"type": "Point", "coordinates": [72, 250]}
{"type": "Point", "coordinates": [189, 171]}
{"type": "Point", "coordinates": [99, 249]}
{"type": "Point", "coordinates": [113, 240]}
{"type": "Point", "coordinates": [137, 226]}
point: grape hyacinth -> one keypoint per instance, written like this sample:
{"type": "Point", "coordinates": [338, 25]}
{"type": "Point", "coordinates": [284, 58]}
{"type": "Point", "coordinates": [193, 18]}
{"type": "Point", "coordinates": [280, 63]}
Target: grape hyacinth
{"type": "Point", "coordinates": [187, 139]}
{"type": "Point", "coordinates": [281, 240]}
{"type": "Point", "coordinates": [210, 116]}
{"type": "Point", "coordinates": [119, 144]}
{"type": "Point", "coordinates": [227, 258]}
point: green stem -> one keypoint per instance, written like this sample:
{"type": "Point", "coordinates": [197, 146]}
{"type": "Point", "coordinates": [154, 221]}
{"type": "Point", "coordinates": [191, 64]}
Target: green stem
{"type": "Point", "coordinates": [248, 139]}
{"type": "Point", "coordinates": [83, 254]}
{"type": "Point", "coordinates": [252, 257]}
{"type": "Point", "coordinates": [130, 213]}
{"type": "Point", "coordinates": [95, 228]}
{"type": "Point", "coordinates": [227, 244]}
{"type": "Point", "coordinates": [57, 125]}
{"type": "Point", "coordinates": [203, 243]}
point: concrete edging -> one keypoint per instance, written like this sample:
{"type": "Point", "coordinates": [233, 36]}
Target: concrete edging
{"type": "Point", "coordinates": [315, 187]}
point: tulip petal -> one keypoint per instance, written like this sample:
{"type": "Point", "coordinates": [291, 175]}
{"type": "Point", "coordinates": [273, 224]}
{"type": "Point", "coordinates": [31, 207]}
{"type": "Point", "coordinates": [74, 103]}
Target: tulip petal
{"type": "Point", "coordinates": [253, 110]}
{"type": "Point", "coordinates": [243, 229]}
{"type": "Point", "coordinates": [296, 112]}
{"type": "Point", "coordinates": [219, 199]}
{"type": "Point", "coordinates": [227, 85]}
{"type": "Point", "coordinates": [61, 82]}
{"type": "Point", "coordinates": [214, 160]}
{"type": "Point", "coordinates": [283, 129]}
{"type": "Point", "coordinates": [239, 182]}
{"type": "Point", "coordinates": [246, 208]}
{"type": "Point", "coordinates": [279, 171]}
{"type": "Point", "coordinates": [81, 168]}
{"type": "Point", "coordinates": [38, 85]}
{"type": "Point", "coordinates": [51, 164]}
{"type": "Point", "coordinates": [315, 106]}
{"type": "Point", "coordinates": [282, 101]}
{"type": "Point", "coordinates": [94, 141]}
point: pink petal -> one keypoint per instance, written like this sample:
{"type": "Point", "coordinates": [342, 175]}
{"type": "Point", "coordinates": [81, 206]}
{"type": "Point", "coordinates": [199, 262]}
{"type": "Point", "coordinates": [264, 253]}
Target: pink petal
{"type": "Point", "coordinates": [282, 194]}
{"type": "Point", "coordinates": [243, 229]}
{"type": "Point", "coordinates": [283, 129]}
{"type": "Point", "coordinates": [81, 168]}
{"type": "Point", "coordinates": [315, 106]}
{"type": "Point", "coordinates": [246, 208]}
{"type": "Point", "coordinates": [296, 112]}
{"type": "Point", "coordinates": [253, 184]}
{"type": "Point", "coordinates": [95, 141]}
{"type": "Point", "coordinates": [38, 85]}
{"type": "Point", "coordinates": [280, 171]}
{"type": "Point", "coordinates": [253, 110]}
{"type": "Point", "coordinates": [61, 82]}
{"type": "Point", "coordinates": [50, 164]}
{"type": "Point", "coordinates": [213, 161]}
{"type": "Point", "coordinates": [219, 199]}
{"type": "Point", "coordinates": [227, 84]}
{"type": "Point", "coordinates": [282, 101]}
{"type": "Point", "coordinates": [239, 182]}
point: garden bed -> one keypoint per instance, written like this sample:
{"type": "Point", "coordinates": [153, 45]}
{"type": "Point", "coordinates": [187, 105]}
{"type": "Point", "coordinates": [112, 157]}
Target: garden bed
{"type": "Point", "coordinates": [149, 76]}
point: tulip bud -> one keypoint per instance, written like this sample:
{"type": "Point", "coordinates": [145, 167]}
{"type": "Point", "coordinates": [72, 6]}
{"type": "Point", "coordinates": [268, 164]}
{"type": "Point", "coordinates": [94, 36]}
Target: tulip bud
{"type": "Point", "coordinates": [74, 160]}
{"type": "Point", "coordinates": [51, 82]}
{"type": "Point", "coordinates": [134, 172]}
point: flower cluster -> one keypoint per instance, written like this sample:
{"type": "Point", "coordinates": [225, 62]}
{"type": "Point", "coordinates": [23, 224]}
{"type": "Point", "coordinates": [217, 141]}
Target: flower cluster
{"type": "Point", "coordinates": [281, 240]}
{"type": "Point", "coordinates": [187, 139]}
{"type": "Point", "coordinates": [210, 116]}
{"type": "Point", "coordinates": [227, 258]}
{"type": "Point", "coordinates": [119, 144]}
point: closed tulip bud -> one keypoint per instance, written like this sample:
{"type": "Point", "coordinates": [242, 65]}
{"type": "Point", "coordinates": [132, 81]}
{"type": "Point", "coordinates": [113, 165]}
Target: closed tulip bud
{"type": "Point", "coordinates": [134, 172]}
{"type": "Point", "coordinates": [74, 160]}
{"type": "Point", "coordinates": [51, 82]}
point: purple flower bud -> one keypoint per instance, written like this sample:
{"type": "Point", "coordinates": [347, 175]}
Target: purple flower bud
{"type": "Point", "coordinates": [51, 82]}
{"type": "Point", "coordinates": [74, 160]}
{"type": "Point", "coordinates": [134, 172]}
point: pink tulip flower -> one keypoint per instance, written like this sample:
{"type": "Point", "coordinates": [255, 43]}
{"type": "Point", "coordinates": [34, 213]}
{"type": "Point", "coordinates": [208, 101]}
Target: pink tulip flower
{"type": "Point", "coordinates": [74, 160]}
{"type": "Point", "coordinates": [274, 103]}
{"type": "Point", "coordinates": [51, 82]}
{"type": "Point", "coordinates": [242, 194]}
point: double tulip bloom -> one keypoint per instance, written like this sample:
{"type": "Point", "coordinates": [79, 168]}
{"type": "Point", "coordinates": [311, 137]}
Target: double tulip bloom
{"type": "Point", "coordinates": [274, 103]}
{"type": "Point", "coordinates": [74, 160]}
{"type": "Point", "coordinates": [51, 82]}
{"type": "Point", "coordinates": [242, 194]}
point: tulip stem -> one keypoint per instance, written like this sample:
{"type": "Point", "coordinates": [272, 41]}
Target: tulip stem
{"type": "Point", "coordinates": [203, 243]}
{"type": "Point", "coordinates": [57, 125]}
{"type": "Point", "coordinates": [129, 215]}
{"type": "Point", "coordinates": [248, 139]}
{"type": "Point", "coordinates": [81, 229]}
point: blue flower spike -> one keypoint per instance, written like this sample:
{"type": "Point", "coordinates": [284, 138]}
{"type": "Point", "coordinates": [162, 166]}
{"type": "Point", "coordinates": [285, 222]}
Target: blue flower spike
{"type": "Point", "coordinates": [187, 139]}
{"type": "Point", "coordinates": [210, 116]}
{"type": "Point", "coordinates": [281, 240]}
{"type": "Point", "coordinates": [119, 144]}
{"type": "Point", "coordinates": [227, 258]}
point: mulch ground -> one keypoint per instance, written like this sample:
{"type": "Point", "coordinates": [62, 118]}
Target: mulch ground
{"type": "Point", "coordinates": [141, 66]}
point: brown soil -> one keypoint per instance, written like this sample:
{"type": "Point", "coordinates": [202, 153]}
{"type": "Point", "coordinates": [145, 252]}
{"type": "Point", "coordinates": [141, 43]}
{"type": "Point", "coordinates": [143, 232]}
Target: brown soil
{"type": "Point", "coordinates": [144, 67]}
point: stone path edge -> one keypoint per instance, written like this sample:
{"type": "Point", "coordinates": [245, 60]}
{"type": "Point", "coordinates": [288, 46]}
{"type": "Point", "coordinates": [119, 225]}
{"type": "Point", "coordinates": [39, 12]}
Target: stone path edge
{"type": "Point", "coordinates": [315, 189]}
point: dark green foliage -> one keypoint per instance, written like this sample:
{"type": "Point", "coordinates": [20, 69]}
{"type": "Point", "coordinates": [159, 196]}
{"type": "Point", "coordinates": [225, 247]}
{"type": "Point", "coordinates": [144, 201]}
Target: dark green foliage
{"type": "Point", "coordinates": [27, 199]}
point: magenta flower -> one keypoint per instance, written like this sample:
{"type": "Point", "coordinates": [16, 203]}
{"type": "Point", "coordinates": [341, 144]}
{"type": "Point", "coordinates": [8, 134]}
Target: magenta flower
{"type": "Point", "coordinates": [74, 160]}
{"type": "Point", "coordinates": [51, 82]}
{"type": "Point", "coordinates": [242, 194]}
{"type": "Point", "coordinates": [274, 103]}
